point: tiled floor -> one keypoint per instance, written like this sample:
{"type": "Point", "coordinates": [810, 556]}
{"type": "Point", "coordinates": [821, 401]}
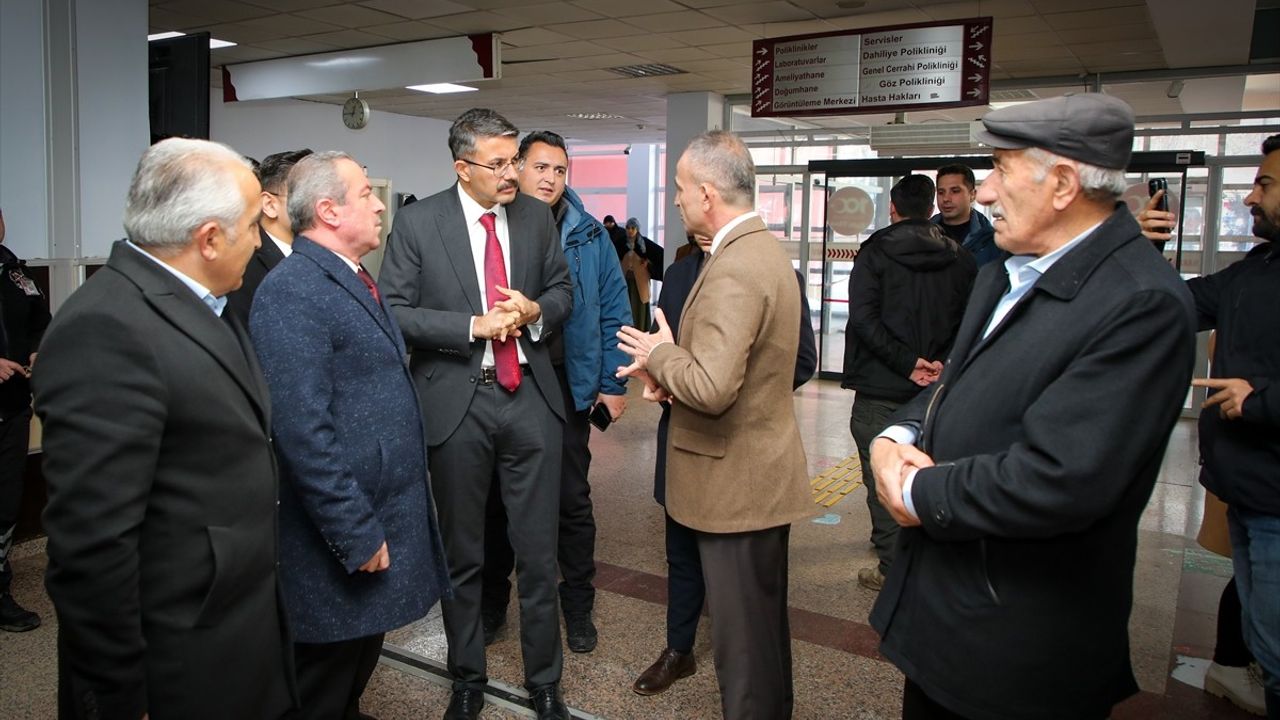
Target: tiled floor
{"type": "Point", "coordinates": [838, 671]}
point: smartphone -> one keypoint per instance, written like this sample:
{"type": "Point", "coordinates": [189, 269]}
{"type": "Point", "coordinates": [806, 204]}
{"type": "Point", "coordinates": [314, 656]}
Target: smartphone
{"type": "Point", "coordinates": [601, 417]}
{"type": "Point", "coordinates": [1155, 185]}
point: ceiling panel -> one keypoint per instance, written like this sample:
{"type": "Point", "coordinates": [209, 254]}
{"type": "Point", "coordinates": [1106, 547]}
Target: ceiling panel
{"type": "Point", "coordinates": [417, 9]}
{"type": "Point", "coordinates": [556, 51]}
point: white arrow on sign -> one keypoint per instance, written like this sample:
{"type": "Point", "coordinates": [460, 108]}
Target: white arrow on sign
{"type": "Point", "coordinates": [762, 51]}
{"type": "Point", "coordinates": [980, 61]}
{"type": "Point", "coordinates": [975, 77]}
{"type": "Point", "coordinates": [976, 46]}
{"type": "Point", "coordinates": [976, 92]}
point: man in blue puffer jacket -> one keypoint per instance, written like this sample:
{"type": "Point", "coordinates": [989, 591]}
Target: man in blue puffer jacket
{"type": "Point", "coordinates": [586, 356]}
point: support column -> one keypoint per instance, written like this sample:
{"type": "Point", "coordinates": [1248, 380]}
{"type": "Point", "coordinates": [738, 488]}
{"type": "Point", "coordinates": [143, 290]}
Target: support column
{"type": "Point", "coordinates": [688, 116]}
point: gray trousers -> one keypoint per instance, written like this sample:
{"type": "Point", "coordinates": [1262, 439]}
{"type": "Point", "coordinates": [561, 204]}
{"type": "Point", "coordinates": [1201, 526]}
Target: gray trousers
{"type": "Point", "coordinates": [869, 417]}
{"type": "Point", "coordinates": [746, 578]}
{"type": "Point", "coordinates": [515, 437]}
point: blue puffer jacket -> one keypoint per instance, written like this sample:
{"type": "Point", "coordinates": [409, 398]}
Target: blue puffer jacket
{"type": "Point", "coordinates": [980, 240]}
{"type": "Point", "coordinates": [600, 307]}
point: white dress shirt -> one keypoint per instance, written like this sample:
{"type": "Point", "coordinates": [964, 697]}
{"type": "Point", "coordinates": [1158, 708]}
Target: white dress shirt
{"type": "Point", "coordinates": [471, 212]}
{"type": "Point", "coordinates": [285, 248]}
{"type": "Point", "coordinates": [724, 231]}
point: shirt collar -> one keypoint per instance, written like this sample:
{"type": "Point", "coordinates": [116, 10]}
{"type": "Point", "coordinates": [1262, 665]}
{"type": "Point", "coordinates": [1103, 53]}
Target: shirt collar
{"type": "Point", "coordinates": [724, 231]}
{"type": "Point", "coordinates": [1040, 265]}
{"type": "Point", "coordinates": [472, 210]}
{"type": "Point", "coordinates": [216, 304]}
{"type": "Point", "coordinates": [285, 248]}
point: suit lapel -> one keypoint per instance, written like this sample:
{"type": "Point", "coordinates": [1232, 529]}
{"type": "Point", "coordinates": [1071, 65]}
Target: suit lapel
{"type": "Point", "coordinates": [455, 238]}
{"type": "Point", "coordinates": [180, 307]}
{"type": "Point", "coordinates": [746, 227]}
{"type": "Point", "coordinates": [267, 253]}
{"type": "Point", "coordinates": [969, 340]}
{"type": "Point", "coordinates": [341, 274]}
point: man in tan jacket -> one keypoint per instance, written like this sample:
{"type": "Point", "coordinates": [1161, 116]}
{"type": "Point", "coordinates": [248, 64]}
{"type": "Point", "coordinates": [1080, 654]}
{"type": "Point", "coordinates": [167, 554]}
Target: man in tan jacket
{"type": "Point", "coordinates": [736, 471]}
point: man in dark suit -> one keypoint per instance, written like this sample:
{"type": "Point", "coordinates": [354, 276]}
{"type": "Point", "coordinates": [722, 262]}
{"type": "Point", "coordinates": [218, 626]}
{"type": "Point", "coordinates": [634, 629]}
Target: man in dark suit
{"type": "Point", "coordinates": [360, 552]}
{"type": "Point", "coordinates": [162, 484]}
{"type": "Point", "coordinates": [478, 283]}
{"type": "Point", "coordinates": [736, 471]}
{"type": "Point", "coordinates": [274, 229]}
{"type": "Point", "coordinates": [1019, 479]}
{"type": "Point", "coordinates": [686, 590]}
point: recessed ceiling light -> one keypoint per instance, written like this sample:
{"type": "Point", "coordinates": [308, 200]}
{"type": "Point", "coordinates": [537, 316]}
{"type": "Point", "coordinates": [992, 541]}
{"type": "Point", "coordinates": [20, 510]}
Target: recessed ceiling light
{"type": "Point", "coordinates": [646, 70]}
{"type": "Point", "coordinates": [441, 88]}
{"type": "Point", "coordinates": [214, 43]}
{"type": "Point", "coordinates": [594, 116]}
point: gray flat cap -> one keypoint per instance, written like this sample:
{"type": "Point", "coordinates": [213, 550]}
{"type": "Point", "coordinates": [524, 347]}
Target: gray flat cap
{"type": "Point", "coordinates": [1089, 127]}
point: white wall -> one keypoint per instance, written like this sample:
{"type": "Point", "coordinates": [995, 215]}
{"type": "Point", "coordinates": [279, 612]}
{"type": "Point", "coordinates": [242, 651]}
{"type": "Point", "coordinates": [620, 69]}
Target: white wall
{"type": "Point", "coordinates": [411, 152]}
{"type": "Point", "coordinates": [113, 111]}
{"type": "Point", "coordinates": [24, 176]}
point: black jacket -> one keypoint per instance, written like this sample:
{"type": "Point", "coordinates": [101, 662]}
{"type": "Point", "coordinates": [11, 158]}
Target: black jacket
{"type": "Point", "coordinates": [906, 295]}
{"type": "Point", "coordinates": [24, 314]}
{"type": "Point", "coordinates": [1012, 599]}
{"type": "Point", "coordinates": [1241, 456]}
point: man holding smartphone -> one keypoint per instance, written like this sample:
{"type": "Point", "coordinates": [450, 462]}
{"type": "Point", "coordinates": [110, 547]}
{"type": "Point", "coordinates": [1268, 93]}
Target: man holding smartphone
{"type": "Point", "coordinates": [584, 355]}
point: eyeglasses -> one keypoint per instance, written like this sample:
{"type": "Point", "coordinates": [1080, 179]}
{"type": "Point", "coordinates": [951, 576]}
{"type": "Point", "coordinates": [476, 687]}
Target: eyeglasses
{"type": "Point", "coordinates": [498, 170]}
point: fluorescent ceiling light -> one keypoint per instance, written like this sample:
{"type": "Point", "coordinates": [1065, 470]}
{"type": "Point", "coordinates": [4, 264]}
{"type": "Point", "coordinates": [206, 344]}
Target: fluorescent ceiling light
{"type": "Point", "coordinates": [441, 88]}
{"type": "Point", "coordinates": [214, 43]}
{"type": "Point", "coordinates": [1007, 103]}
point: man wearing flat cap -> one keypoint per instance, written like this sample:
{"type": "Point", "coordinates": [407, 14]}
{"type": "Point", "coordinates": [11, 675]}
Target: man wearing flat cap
{"type": "Point", "coordinates": [1020, 476]}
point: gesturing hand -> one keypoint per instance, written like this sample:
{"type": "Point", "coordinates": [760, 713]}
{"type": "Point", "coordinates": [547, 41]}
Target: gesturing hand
{"type": "Point", "coordinates": [1156, 224]}
{"type": "Point", "coordinates": [497, 324]}
{"type": "Point", "coordinates": [639, 344]}
{"type": "Point", "coordinates": [1230, 396]}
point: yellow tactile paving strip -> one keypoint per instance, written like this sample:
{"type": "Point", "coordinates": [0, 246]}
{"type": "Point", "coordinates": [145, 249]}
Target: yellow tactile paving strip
{"type": "Point", "coordinates": [833, 484]}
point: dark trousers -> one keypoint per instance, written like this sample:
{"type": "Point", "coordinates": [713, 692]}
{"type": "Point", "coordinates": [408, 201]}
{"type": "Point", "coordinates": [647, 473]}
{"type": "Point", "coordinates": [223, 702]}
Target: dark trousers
{"type": "Point", "coordinates": [576, 547]}
{"type": "Point", "coordinates": [686, 590]}
{"type": "Point", "coordinates": [15, 433]}
{"type": "Point", "coordinates": [516, 437]}
{"type": "Point", "coordinates": [332, 676]}
{"type": "Point", "coordinates": [869, 417]}
{"type": "Point", "coordinates": [1230, 649]}
{"type": "Point", "coordinates": [746, 577]}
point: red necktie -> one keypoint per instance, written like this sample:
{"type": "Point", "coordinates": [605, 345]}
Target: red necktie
{"type": "Point", "coordinates": [505, 360]}
{"type": "Point", "coordinates": [367, 279]}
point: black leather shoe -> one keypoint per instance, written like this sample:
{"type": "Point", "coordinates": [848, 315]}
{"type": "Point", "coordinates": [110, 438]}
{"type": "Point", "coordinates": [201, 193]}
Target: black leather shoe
{"type": "Point", "coordinates": [580, 633]}
{"type": "Point", "coordinates": [491, 624]}
{"type": "Point", "coordinates": [465, 704]}
{"type": "Point", "coordinates": [548, 704]}
{"type": "Point", "coordinates": [15, 618]}
{"type": "Point", "coordinates": [668, 668]}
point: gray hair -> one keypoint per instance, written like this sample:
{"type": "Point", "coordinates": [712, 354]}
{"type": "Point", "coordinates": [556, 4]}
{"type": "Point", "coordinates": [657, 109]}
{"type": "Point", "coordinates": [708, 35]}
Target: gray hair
{"type": "Point", "coordinates": [1099, 184]}
{"type": "Point", "coordinates": [181, 184]}
{"type": "Point", "coordinates": [315, 178]}
{"type": "Point", "coordinates": [477, 123]}
{"type": "Point", "coordinates": [720, 159]}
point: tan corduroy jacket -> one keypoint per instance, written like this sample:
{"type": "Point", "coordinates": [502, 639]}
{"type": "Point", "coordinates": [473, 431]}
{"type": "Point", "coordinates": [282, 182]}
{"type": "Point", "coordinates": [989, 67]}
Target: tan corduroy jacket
{"type": "Point", "coordinates": [735, 462]}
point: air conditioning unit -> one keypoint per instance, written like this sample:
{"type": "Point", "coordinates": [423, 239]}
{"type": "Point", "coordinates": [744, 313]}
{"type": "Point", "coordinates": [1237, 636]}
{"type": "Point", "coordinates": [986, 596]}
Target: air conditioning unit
{"type": "Point", "coordinates": [925, 138]}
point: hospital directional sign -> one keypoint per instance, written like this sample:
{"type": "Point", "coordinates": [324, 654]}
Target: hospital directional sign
{"type": "Point", "coordinates": [885, 69]}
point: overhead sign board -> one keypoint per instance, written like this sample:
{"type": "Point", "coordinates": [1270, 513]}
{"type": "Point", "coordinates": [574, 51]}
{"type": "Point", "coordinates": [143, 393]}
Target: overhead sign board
{"type": "Point", "coordinates": [467, 58]}
{"type": "Point", "coordinates": [884, 69]}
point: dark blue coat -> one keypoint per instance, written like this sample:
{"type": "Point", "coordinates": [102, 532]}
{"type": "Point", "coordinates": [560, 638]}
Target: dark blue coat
{"type": "Point", "coordinates": [349, 436]}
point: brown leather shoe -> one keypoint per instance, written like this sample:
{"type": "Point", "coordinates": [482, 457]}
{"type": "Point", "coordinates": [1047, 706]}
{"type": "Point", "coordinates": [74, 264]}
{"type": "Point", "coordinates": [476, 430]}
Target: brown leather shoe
{"type": "Point", "coordinates": [668, 668]}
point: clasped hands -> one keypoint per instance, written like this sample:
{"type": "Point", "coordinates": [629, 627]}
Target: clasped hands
{"type": "Point", "coordinates": [892, 462]}
{"type": "Point", "coordinates": [638, 345]}
{"type": "Point", "coordinates": [506, 317]}
{"type": "Point", "coordinates": [926, 373]}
